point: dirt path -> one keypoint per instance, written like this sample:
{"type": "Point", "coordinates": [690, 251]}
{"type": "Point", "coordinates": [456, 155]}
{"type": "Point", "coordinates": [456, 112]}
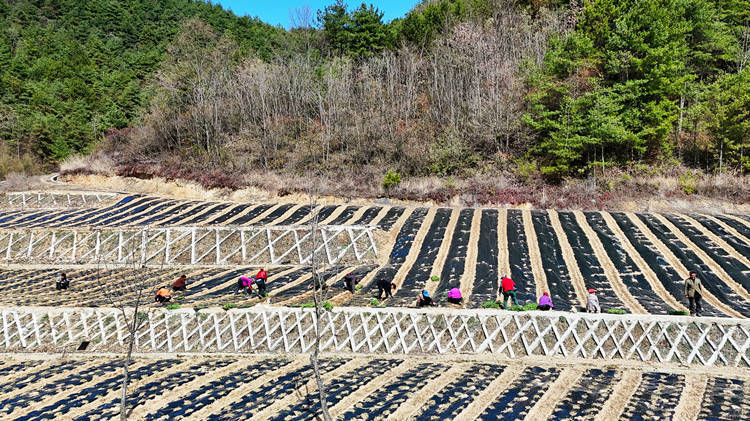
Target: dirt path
{"type": "Point", "coordinates": [718, 240]}
{"type": "Point", "coordinates": [496, 388]}
{"type": "Point", "coordinates": [218, 405]}
{"type": "Point", "coordinates": [418, 400]}
{"type": "Point", "coordinates": [437, 266]}
{"type": "Point", "coordinates": [711, 263]}
{"type": "Point", "coordinates": [620, 396]}
{"type": "Point", "coordinates": [379, 217]}
{"type": "Point", "coordinates": [400, 276]}
{"type": "Point", "coordinates": [613, 276]}
{"type": "Point", "coordinates": [579, 285]}
{"type": "Point", "coordinates": [370, 388]}
{"type": "Point", "coordinates": [470, 264]}
{"type": "Point", "coordinates": [691, 398]}
{"type": "Point", "coordinates": [300, 298]}
{"type": "Point", "coordinates": [740, 220]}
{"type": "Point", "coordinates": [332, 217]}
{"type": "Point", "coordinates": [162, 400]}
{"type": "Point", "coordinates": [114, 394]}
{"type": "Point", "coordinates": [728, 229]}
{"type": "Point", "coordinates": [535, 256]}
{"type": "Point", "coordinates": [309, 387]}
{"type": "Point", "coordinates": [649, 274]}
{"type": "Point", "coordinates": [677, 264]}
{"type": "Point", "coordinates": [543, 408]}
{"type": "Point", "coordinates": [503, 258]}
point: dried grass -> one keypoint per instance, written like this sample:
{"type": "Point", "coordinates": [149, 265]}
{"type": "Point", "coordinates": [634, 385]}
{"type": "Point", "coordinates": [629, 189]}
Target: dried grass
{"type": "Point", "coordinates": [97, 163]}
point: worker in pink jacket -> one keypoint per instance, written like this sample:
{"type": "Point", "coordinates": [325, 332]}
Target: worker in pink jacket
{"type": "Point", "coordinates": [545, 302]}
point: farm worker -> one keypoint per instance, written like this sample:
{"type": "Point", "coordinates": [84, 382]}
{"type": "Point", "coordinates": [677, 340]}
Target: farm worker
{"type": "Point", "coordinates": [454, 296]}
{"type": "Point", "coordinates": [62, 282]}
{"type": "Point", "coordinates": [261, 284]}
{"type": "Point", "coordinates": [694, 293]}
{"type": "Point", "coordinates": [180, 283]}
{"type": "Point", "coordinates": [349, 282]}
{"type": "Point", "coordinates": [262, 275]}
{"type": "Point", "coordinates": [163, 295]}
{"type": "Point", "coordinates": [545, 302]}
{"type": "Point", "coordinates": [244, 284]}
{"type": "Point", "coordinates": [509, 290]}
{"type": "Point", "coordinates": [592, 302]}
{"type": "Point", "coordinates": [424, 299]}
{"type": "Point", "coordinates": [384, 287]}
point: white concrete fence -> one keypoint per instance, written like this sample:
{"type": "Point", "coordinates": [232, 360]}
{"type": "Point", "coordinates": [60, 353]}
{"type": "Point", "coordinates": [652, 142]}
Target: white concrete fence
{"type": "Point", "coordinates": [207, 246]}
{"type": "Point", "coordinates": [25, 200]}
{"type": "Point", "coordinates": [645, 338]}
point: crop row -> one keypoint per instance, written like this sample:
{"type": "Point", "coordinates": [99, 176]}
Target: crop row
{"type": "Point", "coordinates": [283, 388]}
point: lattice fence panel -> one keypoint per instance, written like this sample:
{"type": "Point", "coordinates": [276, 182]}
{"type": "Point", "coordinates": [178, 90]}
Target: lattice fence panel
{"type": "Point", "coordinates": [26, 200]}
{"type": "Point", "coordinates": [653, 339]}
{"type": "Point", "coordinates": [206, 246]}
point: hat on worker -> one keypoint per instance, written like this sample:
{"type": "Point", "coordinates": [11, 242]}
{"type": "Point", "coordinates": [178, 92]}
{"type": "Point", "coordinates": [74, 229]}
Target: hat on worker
{"type": "Point", "coordinates": [425, 293]}
{"type": "Point", "coordinates": [545, 293]}
{"type": "Point", "coordinates": [592, 290]}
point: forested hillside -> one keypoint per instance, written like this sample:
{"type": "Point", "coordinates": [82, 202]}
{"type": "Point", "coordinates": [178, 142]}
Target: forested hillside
{"type": "Point", "coordinates": [70, 70]}
{"type": "Point", "coordinates": [540, 89]}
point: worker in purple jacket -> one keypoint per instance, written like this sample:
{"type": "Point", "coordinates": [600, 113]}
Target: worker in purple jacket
{"type": "Point", "coordinates": [545, 302]}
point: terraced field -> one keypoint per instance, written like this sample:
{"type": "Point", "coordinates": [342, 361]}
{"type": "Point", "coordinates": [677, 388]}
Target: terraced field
{"type": "Point", "coordinates": [636, 262]}
{"type": "Point", "coordinates": [364, 388]}
{"type": "Point", "coordinates": [528, 366]}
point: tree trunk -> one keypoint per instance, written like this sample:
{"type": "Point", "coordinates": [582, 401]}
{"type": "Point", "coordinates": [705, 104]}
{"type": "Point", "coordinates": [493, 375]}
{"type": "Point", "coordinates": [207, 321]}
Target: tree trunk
{"type": "Point", "coordinates": [125, 378]}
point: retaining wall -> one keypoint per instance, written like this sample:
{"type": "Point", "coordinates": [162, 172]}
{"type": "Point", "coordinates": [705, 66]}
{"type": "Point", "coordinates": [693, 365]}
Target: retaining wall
{"type": "Point", "coordinates": [645, 338]}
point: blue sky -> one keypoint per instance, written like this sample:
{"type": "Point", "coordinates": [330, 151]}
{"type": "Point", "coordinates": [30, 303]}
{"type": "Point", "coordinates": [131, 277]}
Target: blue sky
{"type": "Point", "coordinates": [276, 12]}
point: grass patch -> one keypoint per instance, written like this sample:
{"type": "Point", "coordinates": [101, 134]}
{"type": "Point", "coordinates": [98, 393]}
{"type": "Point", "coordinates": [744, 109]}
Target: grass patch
{"type": "Point", "coordinates": [200, 307]}
{"type": "Point", "coordinates": [491, 304]}
{"type": "Point", "coordinates": [530, 306]}
{"type": "Point", "coordinates": [616, 311]}
{"type": "Point", "coordinates": [435, 278]}
{"type": "Point", "coordinates": [678, 313]}
{"type": "Point", "coordinates": [228, 306]}
{"type": "Point", "coordinates": [173, 306]}
{"type": "Point", "coordinates": [180, 298]}
{"type": "Point", "coordinates": [515, 308]}
{"type": "Point", "coordinates": [326, 305]}
{"type": "Point", "coordinates": [374, 302]}
{"type": "Point", "coordinates": [358, 287]}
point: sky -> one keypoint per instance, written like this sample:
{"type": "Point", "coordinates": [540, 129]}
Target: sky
{"type": "Point", "coordinates": [276, 12]}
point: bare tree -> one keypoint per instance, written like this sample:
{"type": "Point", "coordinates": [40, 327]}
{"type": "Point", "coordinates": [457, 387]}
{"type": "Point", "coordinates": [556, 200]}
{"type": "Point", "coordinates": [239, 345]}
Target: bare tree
{"type": "Point", "coordinates": [138, 284]}
{"type": "Point", "coordinates": [320, 294]}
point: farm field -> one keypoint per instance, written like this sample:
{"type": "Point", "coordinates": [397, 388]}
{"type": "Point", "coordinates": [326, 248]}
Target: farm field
{"type": "Point", "coordinates": [424, 388]}
{"type": "Point", "coordinates": [636, 262]}
{"type": "Point", "coordinates": [381, 361]}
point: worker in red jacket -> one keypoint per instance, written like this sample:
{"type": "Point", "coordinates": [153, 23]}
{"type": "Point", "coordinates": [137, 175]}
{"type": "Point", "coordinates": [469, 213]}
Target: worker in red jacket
{"type": "Point", "coordinates": [260, 280]}
{"type": "Point", "coordinates": [509, 290]}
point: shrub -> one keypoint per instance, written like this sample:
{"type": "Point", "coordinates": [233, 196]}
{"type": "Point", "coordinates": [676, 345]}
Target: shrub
{"type": "Point", "coordinates": [173, 306]}
{"type": "Point", "coordinates": [308, 304]}
{"type": "Point", "coordinates": [391, 180]}
{"type": "Point", "coordinates": [227, 306]}
{"type": "Point", "coordinates": [616, 311]}
{"type": "Point", "coordinates": [678, 313]}
{"type": "Point", "coordinates": [491, 304]}
{"type": "Point", "coordinates": [180, 298]}
{"type": "Point", "coordinates": [515, 308]}
{"type": "Point", "coordinates": [374, 302]}
{"type": "Point", "coordinates": [435, 278]}
{"type": "Point", "coordinates": [688, 182]}
{"type": "Point", "coordinates": [358, 287]}
{"type": "Point", "coordinates": [328, 306]}
{"type": "Point", "coordinates": [200, 307]}
{"type": "Point", "coordinates": [530, 306]}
